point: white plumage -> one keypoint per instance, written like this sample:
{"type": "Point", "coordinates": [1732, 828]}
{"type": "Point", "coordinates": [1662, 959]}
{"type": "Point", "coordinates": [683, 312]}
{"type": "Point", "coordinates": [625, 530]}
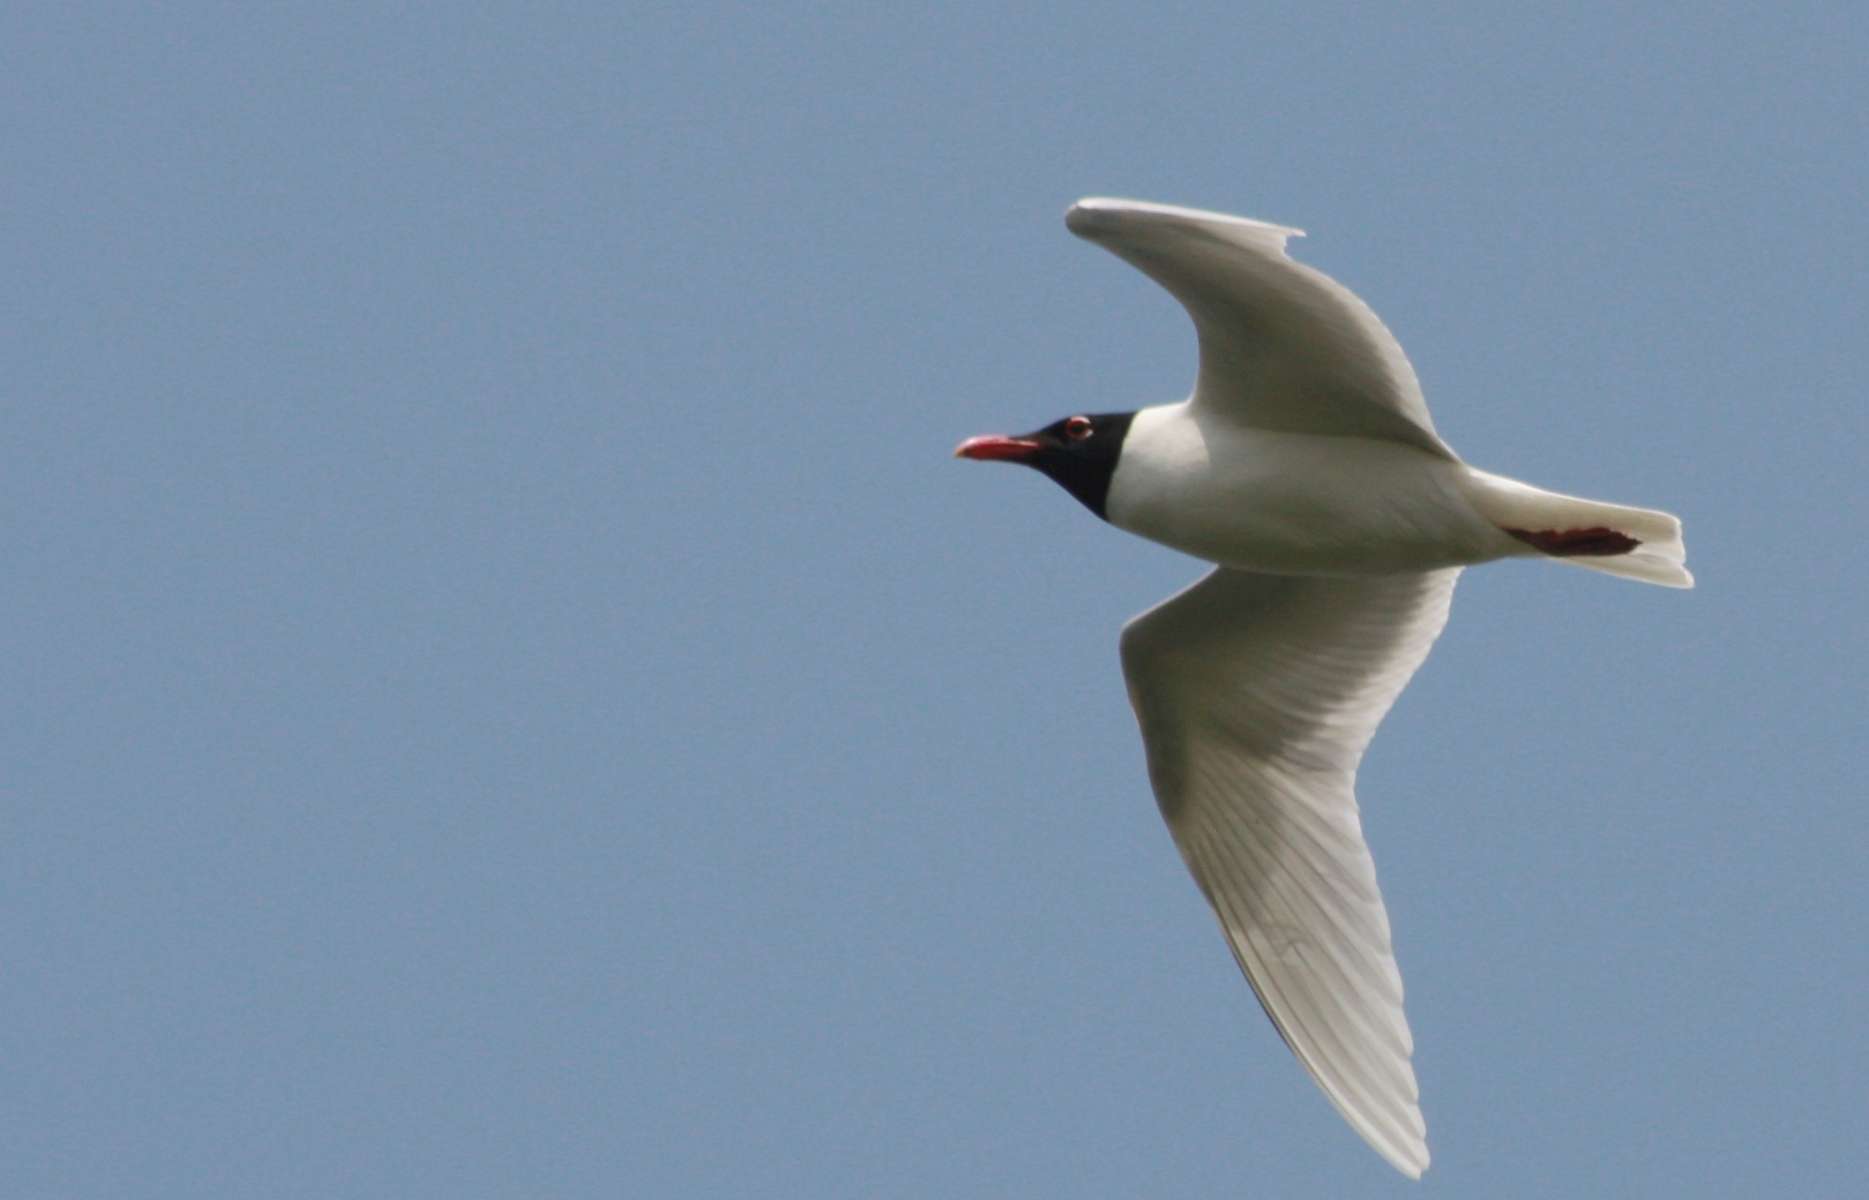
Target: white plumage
{"type": "Point", "coordinates": [1306, 467]}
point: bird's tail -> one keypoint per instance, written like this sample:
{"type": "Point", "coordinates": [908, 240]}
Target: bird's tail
{"type": "Point", "coordinates": [1635, 543]}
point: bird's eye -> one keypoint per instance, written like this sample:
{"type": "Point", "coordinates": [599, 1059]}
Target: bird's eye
{"type": "Point", "coordinates": [1077, 428]}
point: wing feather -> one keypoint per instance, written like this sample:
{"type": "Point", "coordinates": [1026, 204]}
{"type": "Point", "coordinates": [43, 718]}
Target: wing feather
{"type": "Point", "coordinates": [1283, 346]}
{"type": "Point", "coordinates": [1257, 696]}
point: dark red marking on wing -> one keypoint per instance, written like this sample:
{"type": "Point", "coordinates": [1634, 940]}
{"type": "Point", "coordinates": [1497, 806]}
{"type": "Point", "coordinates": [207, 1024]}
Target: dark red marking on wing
{"type": "Point", "coordinates": [1596, 541]}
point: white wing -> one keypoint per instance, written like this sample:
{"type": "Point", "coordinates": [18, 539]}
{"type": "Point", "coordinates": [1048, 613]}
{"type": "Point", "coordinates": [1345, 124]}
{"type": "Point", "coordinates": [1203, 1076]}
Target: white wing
{"type": "Point", "coordinates": [1283, 346]}
{"type": "Point", "coordinates": [1257, 695]}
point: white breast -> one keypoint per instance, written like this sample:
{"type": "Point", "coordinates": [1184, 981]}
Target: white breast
{"type": "Point", "coordinates": [1298, 504]}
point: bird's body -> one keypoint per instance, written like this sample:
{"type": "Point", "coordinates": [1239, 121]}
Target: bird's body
{"type": "Point", "coordinates": [1295, 503]}
{"type": "Point", "coordinates": [1306, 468]}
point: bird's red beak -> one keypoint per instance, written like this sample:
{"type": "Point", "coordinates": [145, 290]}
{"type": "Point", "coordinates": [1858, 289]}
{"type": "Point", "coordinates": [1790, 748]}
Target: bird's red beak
{"type": "Point", "coordinates": [995, 447]}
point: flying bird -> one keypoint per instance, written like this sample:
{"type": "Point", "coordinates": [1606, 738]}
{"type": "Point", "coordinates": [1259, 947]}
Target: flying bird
{"type": "Point", "coordinates": [1305, 467]}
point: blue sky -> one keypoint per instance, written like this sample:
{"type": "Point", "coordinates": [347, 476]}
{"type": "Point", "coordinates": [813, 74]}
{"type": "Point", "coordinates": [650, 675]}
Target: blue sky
{"type": "Point", "coordinates": [511, 696]}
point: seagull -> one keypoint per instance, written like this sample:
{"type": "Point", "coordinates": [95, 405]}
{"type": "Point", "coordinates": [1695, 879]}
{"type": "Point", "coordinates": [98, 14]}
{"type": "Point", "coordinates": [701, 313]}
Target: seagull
{"type": "Point", "coordinates": [1304, 466]}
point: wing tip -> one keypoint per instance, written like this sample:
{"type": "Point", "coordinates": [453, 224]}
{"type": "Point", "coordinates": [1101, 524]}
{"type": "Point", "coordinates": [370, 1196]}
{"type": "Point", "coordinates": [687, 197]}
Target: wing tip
{"type": "Point", "coordinates": [1399, 1136]}
{"type": "Point", "coordinates": [1407, 1153]}
{"type": "Point", "coordinates": [1096, 216]}
{"type": "Point", "coordinates": [1093, 215]}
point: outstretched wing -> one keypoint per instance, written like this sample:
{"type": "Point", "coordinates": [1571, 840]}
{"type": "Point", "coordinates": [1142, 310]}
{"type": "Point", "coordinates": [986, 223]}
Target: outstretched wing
{"type": "Point", "coordinates": [1257, 695]}
{"type": "Point", "coordinates": [1283, 347]}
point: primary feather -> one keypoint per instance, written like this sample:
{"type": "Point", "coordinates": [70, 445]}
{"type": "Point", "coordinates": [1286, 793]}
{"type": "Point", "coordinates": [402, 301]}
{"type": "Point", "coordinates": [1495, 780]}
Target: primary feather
{"type": "Point", "coordinates": [1257, 696]}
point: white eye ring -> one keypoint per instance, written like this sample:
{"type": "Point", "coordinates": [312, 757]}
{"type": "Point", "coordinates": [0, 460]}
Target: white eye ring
{"type": "Point", "coordinates": [1078, 428]}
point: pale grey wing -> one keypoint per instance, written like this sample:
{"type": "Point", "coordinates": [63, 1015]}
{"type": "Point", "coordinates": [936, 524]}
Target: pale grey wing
{"type": "Point", "coordinates": [1257, 695]}
{"type": "Point", "coordinates": [1283, 346]}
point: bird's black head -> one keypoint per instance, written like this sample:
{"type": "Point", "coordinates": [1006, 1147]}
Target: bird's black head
{"type": "Point", "coordinates": [1078, 452]}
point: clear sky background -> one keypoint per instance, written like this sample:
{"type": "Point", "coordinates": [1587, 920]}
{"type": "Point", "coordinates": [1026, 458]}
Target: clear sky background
{"type": "Point", "coordinates": [509, 695]}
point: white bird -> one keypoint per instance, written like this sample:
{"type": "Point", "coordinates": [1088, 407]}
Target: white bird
{"type": "Point", "coordinates": [1305, 466]}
